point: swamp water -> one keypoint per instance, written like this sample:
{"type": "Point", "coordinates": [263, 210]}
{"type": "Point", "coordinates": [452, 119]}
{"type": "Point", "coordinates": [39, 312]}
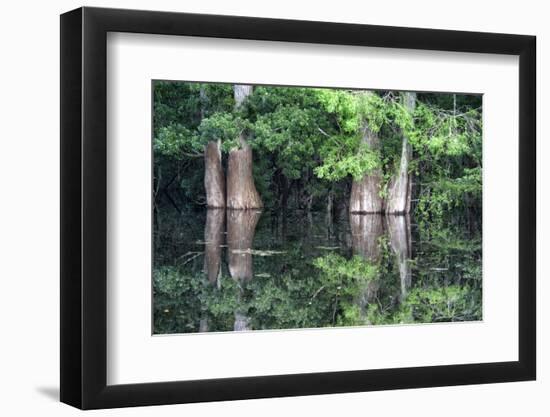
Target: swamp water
{"type": "Point", "coordinates": [233, 270]}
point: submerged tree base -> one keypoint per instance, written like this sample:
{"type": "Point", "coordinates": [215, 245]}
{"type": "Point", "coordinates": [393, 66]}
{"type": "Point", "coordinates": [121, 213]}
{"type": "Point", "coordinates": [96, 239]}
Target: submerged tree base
{"type": "Point", "coordinates": [241, 191]}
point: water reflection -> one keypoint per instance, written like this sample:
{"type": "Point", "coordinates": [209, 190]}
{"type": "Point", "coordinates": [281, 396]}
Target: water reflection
{"type": "Point", "coordinates": [214, 233]}
{"type": "Point", "coordinates": [366, 233]}
{"type": "Point", "coordinates": [399, 230]}
{"type": "Point", "coordinates": [361, 269]}
{"type": "Point", "coordinates": [241, 225]}
{"type": "Point", "coordinates": [213, 241]}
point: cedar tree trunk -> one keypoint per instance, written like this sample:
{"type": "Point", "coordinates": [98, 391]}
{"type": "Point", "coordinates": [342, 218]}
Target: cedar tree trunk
{"type": "Point", "coordinates": [214, 179]}
{"type": "Point", "coordinates": [241, 191]}
{"type": "Point", "coordinates": [365, 193]}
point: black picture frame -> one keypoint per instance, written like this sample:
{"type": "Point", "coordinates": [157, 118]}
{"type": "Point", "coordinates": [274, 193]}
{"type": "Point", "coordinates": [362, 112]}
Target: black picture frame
{"type": "Point", "coordinates": [84, 207]}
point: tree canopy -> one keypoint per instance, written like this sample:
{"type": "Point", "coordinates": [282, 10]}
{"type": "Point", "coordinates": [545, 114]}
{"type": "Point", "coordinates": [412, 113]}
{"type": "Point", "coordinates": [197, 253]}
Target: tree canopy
{"type": "Point", "coordinates": [307, 142]}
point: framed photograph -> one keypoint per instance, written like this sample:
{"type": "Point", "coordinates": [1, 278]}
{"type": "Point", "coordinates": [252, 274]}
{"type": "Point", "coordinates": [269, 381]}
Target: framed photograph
{"type": "Point", "coordinates": [257, 208]}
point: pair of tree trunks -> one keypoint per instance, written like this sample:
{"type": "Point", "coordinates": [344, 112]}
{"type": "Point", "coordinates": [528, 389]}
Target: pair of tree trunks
{"type": "Point", "coordinates": [366, 233]}
{"type": "Point", "coordinates": [239, 227]}
{"type": "Point", "coordinates": [240, 187]}
{"type": "Point", "coordinates": [365, 193]}
{"type": "Point", "coordinates": [237, 193]}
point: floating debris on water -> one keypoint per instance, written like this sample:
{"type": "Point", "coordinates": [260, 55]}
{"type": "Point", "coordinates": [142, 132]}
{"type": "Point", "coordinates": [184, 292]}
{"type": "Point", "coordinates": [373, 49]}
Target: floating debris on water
{"type": "Point", "coordinates": [257, 252]}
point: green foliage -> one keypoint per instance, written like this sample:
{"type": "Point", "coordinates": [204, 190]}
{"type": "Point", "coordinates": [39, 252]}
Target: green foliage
{"type": "Point", "coordinates": [345, 153]}
{"type": "Point", "coordinates": [353, 109]}
{"type": "Point", "coordinates": [447, 146]}
{"type": "Point", "coordinates": [286, 126]}
{"type": "Point", "coordinates": [350, 156]}
{"type": "Point", "coordinates": [173, 141]}
{"type": "Point", "coordinates": [224, 127]}
{"type": "Point", "coordinates": [309, 143]}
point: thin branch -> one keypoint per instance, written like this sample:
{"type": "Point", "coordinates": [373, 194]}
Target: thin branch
{"type": "Point", "coordinates": [323, 132]}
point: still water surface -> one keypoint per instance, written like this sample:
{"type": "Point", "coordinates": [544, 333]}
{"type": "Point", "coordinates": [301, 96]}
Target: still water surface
{"type": "Point", "coordinates": [235, 270]}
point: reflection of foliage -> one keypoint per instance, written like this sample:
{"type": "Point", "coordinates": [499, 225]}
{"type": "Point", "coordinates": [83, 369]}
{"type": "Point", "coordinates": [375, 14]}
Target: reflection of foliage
{"type": "Point", "coordinates": [171, 310]}
{"type": "Point", "coordinates": [341, 271]}
{"type": "Point", "coordinates": [432, 305]}
{"type": "Point", "coordinates": [452, 303]}
{"type": "Point", "coordinates": [347, 279]}
{"type": "Point", "coordinates": [306, 287]}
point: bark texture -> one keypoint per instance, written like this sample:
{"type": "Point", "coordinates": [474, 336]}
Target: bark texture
{"type": "Point", "coordinates": [241, 226]}
{"type": "Point", "coordinates": [241, 190]}
{"type": "Point", "coordinates": [399, 190]}
{"type": "Point", "coordinates": [213, 238]}
{"type": "Point", "coordinates": [365, 193]}
{"type": "Point", "coordinates": [399, 229]}
{"type": "Point", "coordinates": [214, 179]}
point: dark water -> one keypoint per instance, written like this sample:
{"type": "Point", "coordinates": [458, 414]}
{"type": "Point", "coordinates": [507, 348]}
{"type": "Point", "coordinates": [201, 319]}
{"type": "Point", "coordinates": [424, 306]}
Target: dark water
{"type": "Point", "coordinates": [221, 270]}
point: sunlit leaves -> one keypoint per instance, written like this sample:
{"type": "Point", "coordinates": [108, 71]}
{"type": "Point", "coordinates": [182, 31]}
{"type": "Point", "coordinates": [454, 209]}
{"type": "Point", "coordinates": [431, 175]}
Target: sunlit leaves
{"type": "Point", "coordinates": [310, 142]}
{"type": "Point", "coordinates": [345, 153]}
{"type": "Point", "coordinates": [349, 157]}
{"type": "Point", "coordinates": [445, 133]}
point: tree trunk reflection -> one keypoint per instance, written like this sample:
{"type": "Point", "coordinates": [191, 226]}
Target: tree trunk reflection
{"type": "Point", "coordinates": [241, 225]}
{"type": "Point", "coordinates": [213, 239]}
{"type": "Point", "coordinates": [399, 230]}
{"type": "Point", "coordinates": [242, 322]}
{"type": "Point", "coordinates": [366, 231]}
